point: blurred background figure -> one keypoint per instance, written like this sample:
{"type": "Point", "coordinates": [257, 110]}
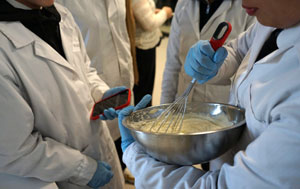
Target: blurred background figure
{"type": "Point", "coordinates": [148, 35]}
{"type": "Point", "coordinates": [108, 29]}
{"type": "Point", "coordinates": [196, 20]}
{"type": "Point", "coordinates": [169, 3]}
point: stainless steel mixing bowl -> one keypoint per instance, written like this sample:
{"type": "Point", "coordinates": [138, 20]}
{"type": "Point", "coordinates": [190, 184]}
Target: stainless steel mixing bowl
{"type": "Point", "coordinates": [192, 148]}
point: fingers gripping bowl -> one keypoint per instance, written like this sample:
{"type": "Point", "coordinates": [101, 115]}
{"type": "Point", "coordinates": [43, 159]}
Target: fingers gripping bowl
{"type": "Point", "coordinates": [199, 144]}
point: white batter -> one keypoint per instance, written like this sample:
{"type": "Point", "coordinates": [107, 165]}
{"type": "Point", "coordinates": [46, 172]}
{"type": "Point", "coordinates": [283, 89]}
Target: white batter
{"type": "Point", "coordinates": [192, 123]}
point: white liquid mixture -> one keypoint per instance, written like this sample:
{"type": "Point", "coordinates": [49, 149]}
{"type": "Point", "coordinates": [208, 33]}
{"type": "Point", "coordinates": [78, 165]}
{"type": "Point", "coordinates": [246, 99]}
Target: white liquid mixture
{"type": "Point", "coordinates": [192, 123]}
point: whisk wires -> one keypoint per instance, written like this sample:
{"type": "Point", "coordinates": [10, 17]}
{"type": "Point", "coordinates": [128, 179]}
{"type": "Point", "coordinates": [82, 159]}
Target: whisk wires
{"type": "Point", "coordinates": [173, 116]}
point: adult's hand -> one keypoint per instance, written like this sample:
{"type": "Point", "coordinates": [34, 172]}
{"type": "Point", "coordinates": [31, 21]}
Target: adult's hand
{"type": "Point", "coordinates": [102, 175]}
{"type": "Point", "coordinates": [202, 62]}
{"type": "Point", "coordinates": [126, 137]}
{"type": "Point", "coordinates": [168, 10]}
{"type": "Point", "coordinates": [110, 113]}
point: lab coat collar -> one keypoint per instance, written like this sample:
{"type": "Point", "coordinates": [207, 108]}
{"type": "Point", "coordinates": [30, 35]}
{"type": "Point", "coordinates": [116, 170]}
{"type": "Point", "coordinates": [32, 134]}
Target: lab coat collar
{"type": "Point", "coordinates": [194, 17]}
{"type": "Point", "coordinates": [12, 31]}
{"type": "Point", "coordinates": [62, 11]}
{"type": "Point", "coordinates": [258, 42]}
{"type": "Point", "coordinates": [289, 37]}
{"type": "Point", "coordinates": [225, 5]}
{"type": "Point", "coordinates": [285, 40]}
{"type": "Point", "coordinates": [67, 33]}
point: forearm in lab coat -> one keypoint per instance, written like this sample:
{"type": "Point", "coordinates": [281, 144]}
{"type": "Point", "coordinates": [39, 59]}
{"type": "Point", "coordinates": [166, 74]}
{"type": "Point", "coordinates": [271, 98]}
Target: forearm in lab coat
{"type": "Point", "coordinates": [150, 173]}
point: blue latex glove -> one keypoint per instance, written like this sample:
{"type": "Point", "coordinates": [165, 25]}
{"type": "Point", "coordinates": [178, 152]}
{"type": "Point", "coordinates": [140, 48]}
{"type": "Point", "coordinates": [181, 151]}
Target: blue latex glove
{"type": "Point", "coordinates": [102, 175]}
{"type": "Point", "coordinates": [126, 137]}
{"type": "Point", "coordinates": [202, 62]}
{"type": "Point", "coordinates": [110, 113]}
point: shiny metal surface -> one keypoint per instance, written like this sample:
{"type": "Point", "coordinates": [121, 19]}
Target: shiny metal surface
{"type": "Point", "coordinates": [175, 112]}
{"type": "Point", "coordinates": [194, 148]}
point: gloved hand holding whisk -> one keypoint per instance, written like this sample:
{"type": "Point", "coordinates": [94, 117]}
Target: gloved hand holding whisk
{"type": "Point", "coordinates": [126, 137]}
{"type": "Point", "coordinates": [202, 62]}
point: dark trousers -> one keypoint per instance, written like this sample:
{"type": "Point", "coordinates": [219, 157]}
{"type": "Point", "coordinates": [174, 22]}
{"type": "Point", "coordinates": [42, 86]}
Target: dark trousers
{"type": "Point", "coordinates": [146, 67]}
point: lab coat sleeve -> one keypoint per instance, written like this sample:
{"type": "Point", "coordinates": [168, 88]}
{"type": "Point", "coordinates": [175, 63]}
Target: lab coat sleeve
{"type": "Point", "coordinates": [150, 173]}
{"type": "Point", "coordinates": [237, 50]}
{"type": "Point", "coordinates": [173, 64]}
{"type": "Point", "coordinates": [270, 161]}
{"type": "Point", "coordinates": [24, 151]}
{"type": "Point", "coordinates": [96, 84]}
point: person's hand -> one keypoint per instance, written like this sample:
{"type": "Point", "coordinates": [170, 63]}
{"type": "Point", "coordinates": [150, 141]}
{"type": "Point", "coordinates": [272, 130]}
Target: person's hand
{"type": "Point", "coordinates": [110, 113]}
{"type": "Point", "coordinates": [157, 10]}
{"type": "Point", "coordinates": [202, 62]}
{"type": "Point", "coordinates": [102, 175]}
{"type": "Point", "coordinates": [168, 11]}
{"type": "Point", "coordinates": [126, 137]}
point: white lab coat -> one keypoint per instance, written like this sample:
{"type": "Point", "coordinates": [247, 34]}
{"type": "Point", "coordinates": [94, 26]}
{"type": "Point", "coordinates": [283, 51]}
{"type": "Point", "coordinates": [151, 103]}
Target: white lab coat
{"type": "Point", "coordinates": [267, 155]}
{"type": "Point", "coordinates": [103, 26]}
{"type": "Point", "coordinates": [185, 33]}
{"type": "Point", "coordinates": [47, 139]}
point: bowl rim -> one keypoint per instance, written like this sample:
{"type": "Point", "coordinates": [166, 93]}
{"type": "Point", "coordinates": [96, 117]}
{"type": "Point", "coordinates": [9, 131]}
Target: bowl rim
{"type": "Point", "coordinates": [241, 123]}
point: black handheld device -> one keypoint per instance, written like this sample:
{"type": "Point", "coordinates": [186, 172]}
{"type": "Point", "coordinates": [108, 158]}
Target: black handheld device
{"type": "Point", "coordinates": [116, 101]}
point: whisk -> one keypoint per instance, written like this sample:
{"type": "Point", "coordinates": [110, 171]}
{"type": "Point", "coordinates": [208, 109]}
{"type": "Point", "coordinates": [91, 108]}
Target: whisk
{"type": "Point", "coordinates": [172, 117]}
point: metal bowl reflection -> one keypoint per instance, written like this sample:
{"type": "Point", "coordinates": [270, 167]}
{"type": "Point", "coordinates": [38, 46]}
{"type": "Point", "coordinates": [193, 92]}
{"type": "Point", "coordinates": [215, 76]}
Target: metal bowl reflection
{"type": "Point", "coordinates": [191, 148]}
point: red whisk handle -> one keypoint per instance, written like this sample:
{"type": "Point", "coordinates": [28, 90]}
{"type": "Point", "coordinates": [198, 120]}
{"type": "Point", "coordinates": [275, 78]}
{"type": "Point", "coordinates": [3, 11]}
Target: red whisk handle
{"type": "Point", "coordinates": [217, 41]}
